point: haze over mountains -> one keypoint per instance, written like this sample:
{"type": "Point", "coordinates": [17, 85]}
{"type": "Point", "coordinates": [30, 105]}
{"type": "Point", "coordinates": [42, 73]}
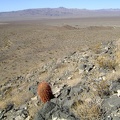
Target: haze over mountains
{"type": "Point", "coordinates": [57, 12]}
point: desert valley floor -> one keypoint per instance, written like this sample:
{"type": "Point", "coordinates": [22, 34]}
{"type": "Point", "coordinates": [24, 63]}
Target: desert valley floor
{"type": "Point", "coordinates": [25, 45]}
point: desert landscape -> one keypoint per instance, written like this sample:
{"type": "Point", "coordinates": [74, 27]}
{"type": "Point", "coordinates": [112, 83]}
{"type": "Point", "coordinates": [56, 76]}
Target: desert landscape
{"type": "Point", "coordinates": [50, 49]}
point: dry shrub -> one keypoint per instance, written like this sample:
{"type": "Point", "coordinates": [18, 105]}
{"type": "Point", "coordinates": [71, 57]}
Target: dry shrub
{"type": "Point", "coordinates": [13, 94]}
{"type": "Point", "coordinates": [102, 88]}
{"type": "Point", "coordinates": [17, 99]}
{"type": "Point", "coordinates": [117, 53]}
{"type": "Point", "coordinates": [118, 57]}
{"type": "Point", "coordinates": [106, 62]}
{"type": "Point", "coordinates": [87, 108]}
{"type": "Point", "coordinates": [86, 111]}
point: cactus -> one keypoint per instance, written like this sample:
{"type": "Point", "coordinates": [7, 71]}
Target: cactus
{"type": "Point", "coordinates": [45, 92]}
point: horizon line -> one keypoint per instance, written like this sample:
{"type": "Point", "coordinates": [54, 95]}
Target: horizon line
{"type": "Point", "coordinates": [61, 7]}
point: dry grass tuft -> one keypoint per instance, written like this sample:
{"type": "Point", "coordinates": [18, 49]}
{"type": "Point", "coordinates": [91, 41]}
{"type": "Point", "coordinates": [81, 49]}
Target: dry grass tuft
{"type": "Point", "coordinates": [106, 62]}
{"type": "Point", "coordinates": [87, 108]}
{"type": "Point", "coordinates": [102, 88]}
{"type": "Point", "coordinates": [16, 95]}
{"type": "Point", "coordinates": [86, 111]}
{"type": "Point", "coordinates": [17, 99]}
{"type": "Point", "coordinates": [118, 57]}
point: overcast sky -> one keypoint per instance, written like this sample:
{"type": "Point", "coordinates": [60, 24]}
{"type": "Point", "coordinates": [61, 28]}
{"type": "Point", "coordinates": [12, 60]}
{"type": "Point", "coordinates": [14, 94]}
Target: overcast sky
{"type": "Point", "coordinates": [13, 5]}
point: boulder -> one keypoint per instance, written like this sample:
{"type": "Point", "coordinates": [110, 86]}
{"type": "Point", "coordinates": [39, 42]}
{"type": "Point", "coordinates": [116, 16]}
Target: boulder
{"type": "Point", "coordinates": [52, 111]}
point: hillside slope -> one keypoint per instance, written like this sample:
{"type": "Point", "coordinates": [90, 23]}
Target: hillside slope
{"type": "Point", "coordinates": [86, 85]}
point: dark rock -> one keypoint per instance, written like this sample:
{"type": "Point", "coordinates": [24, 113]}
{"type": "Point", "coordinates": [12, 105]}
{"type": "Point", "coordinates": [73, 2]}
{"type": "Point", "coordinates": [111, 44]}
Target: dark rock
{"type": "Point", "coordinates": [89, 67]}
{"type": "Point", "coordinates": [65, 92]}
{"type": "Point", "coordinates": [33, 89]}
{"type": "Point", "coordinates": [111, 104]}
{"type": "Point", "coordinates": [24, 114]}
{"type": "Point", "coordinates": [45, 111]}
{"type": "Point", "coordinates": [116, 118]}
{"type": "Point", "coordinates": [60, 115]}
{"type": "Point", "coordinates": [68, 95]}
{"type": "Point", "coordinates": [1, 115]}
{"type": "Point", "coordinates": [19, 78]}
{"type": "Point", "coordinates": [47, 108]}
{"type": "Point", "coordinates": [23, 107]}
{"type": "Point", "coordinates": [9, 107]}
{"type": "Point", "coordinates": [108, 118]}
{"type": "Point", "coordinates": [115, 85]}
{"type": "Point", "coordinates": [63, 113]}
{"type": "Point", "coordinates": [68, 102]}
{"type": "Point", "coordinates": [76, 90]}
{"type": "Point", "coordinates": [82, 66]}
{"type": "Point", "coordinates": [52, 111]}
{"type": "Point", "coordinates": [68, 114]}
{"type": "Point", "coordinates": [39, 117]}
{"type": "Point", "coordinates": [18, 118]}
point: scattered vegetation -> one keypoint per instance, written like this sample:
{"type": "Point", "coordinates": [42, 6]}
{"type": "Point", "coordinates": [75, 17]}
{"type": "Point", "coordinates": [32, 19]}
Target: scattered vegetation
{"type": "Point", "coordinates": [107, 62]}
{"type": "Point", "coordinates": [118, 57]}
{"type": "Point", "coordinates": [101, 88]}
{"type": "Point", "coordinates": [30, 46]}
{"type": "Point", "coordinates": [87, 108]}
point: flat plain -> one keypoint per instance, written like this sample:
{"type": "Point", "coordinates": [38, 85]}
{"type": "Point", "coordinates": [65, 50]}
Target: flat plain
{"type": "Point", "coordinates": [25, 45]}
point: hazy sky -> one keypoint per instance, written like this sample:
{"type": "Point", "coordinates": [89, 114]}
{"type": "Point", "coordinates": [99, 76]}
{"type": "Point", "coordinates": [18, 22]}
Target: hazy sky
{"type": "Point", "coordinates": [12, 5]}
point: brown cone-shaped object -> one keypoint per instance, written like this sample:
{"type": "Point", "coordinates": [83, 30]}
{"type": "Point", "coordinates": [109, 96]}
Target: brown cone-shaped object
{"type": "Point", "coordinates": [45, 92]}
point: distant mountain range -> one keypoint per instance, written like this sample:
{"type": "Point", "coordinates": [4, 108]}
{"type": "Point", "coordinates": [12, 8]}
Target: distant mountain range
{"type": "Point", "coordinates": [58, 12]}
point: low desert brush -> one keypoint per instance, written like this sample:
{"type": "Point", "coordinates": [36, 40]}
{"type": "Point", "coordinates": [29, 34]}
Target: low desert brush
{"type": "Point", "coordinates": [106, 62]}
{"type": "Point", "coordinates": [86, 111]}
{"type": "Point", "coordinates": [87, 108]}
{"type": "Point", "coordinates": [102, 88]}
{"type": "Point", "coordinates": [118, 57]}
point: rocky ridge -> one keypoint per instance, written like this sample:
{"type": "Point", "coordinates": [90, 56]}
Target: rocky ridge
{"type": "Point", "coordinates": [86, 86]}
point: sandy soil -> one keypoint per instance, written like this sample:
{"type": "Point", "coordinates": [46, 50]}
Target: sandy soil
{"type": "Point", "coordinates": [25, 45]}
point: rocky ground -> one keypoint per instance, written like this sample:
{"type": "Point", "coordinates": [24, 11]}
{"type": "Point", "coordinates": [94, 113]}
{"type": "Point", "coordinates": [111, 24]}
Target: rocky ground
{"type": "Point", "coordinates": [86, 85]}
